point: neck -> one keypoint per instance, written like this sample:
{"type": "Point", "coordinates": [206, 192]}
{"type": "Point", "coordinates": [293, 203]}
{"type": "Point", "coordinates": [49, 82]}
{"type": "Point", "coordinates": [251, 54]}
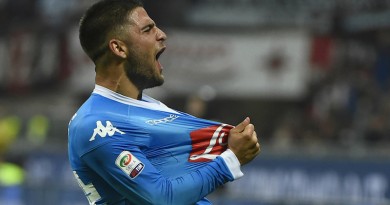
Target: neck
{"type": "Point", "coordinates": [117, 82]}
{"type": "Point", "coordinates": [139, 96]}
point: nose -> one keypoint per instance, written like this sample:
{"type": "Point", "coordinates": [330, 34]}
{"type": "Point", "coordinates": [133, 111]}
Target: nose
{"type": "Point", "coordinates": [161, 36]}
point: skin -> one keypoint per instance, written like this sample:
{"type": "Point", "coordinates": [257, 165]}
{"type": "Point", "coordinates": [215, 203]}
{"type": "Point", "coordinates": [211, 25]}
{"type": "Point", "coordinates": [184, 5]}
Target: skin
{"type": "Point", "coordinates": [131, 66]}
{"type": "Point", "coordinates": [133, 53]}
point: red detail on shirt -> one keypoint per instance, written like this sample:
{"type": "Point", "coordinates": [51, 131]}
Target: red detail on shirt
{"type": "Point", "coordinates": [209, 142]}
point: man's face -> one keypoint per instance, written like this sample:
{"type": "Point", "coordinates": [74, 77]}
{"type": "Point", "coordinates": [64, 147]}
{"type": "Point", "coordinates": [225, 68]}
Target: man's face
{"type": "Point", "coordinates": [145, 44]}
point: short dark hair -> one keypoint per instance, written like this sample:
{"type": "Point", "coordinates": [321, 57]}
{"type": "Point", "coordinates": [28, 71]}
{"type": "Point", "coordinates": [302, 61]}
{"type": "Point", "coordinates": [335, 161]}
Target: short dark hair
{"type": "Point", "coordinates": [100, 20]}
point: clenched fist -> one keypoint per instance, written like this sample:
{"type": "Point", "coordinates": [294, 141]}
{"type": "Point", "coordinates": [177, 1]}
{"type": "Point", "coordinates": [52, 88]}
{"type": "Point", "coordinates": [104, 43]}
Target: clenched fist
{"type": "Point", "coordinates": [243, 141]}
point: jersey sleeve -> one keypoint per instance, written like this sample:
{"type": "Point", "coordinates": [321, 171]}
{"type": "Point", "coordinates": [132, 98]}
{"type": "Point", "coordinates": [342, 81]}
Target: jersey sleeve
{"type": "Point", "coordinates": [132, 175]}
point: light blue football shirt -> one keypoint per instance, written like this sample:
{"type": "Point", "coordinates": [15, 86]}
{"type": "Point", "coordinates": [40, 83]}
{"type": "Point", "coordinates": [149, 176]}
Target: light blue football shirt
{"type": "Point", "coordinates": [126, 151]}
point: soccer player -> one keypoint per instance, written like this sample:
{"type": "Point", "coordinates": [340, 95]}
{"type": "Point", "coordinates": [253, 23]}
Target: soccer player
{"type": "Point", "coordinates": [128, 148]}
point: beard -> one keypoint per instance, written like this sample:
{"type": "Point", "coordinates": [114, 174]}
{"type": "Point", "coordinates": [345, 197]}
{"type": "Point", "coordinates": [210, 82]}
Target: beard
{"type": "Point", "coordinates": [141, 75]}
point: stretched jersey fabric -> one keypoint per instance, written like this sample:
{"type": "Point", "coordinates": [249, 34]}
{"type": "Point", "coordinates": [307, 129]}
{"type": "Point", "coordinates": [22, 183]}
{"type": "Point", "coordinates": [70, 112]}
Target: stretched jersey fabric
{"type": "Point", "coordinates": [125, 151]}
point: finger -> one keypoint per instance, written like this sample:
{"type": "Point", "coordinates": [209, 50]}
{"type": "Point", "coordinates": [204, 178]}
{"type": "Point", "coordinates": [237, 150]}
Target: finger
{"type": "Point", "coordinates": [254, 143]}
{"type": "Point", "coordinates": [249, 130]}
{"type": "Point", "coordinates": [256, 149]}
{"type": "Point", "coordinates": [254, 135]}
{"type": "Point", "coordinates": [240, 127]}
{"type": "Point", "coordinates": [258, 146]}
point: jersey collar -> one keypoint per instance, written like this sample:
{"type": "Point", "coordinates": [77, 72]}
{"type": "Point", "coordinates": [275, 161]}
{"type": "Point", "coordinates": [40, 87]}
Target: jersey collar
{"type": "Point", "coordinates": [146, 102]}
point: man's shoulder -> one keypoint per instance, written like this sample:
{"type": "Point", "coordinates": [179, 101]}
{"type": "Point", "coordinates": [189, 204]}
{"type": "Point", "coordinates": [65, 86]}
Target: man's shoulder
{"type": "Point", "coordinates": [84, 122]}
{"type": "Point", "coordinates": [91, 130]}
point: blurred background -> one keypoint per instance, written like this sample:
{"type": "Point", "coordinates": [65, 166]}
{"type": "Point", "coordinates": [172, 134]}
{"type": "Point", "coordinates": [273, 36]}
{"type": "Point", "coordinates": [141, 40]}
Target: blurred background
{"type": "Point", "coordinates": [313, 75]}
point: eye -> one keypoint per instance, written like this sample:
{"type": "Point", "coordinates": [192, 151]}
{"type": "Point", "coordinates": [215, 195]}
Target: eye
{"type": "Point", "coordinates": [148, 28]}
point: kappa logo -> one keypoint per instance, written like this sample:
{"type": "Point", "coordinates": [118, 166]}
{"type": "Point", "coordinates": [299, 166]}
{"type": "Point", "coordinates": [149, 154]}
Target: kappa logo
{"type": "Point", "coordinates": [163, 120]}
{"type": "Point", "coordinates": [209, 142]}
{"type": "Point", "coordinates": [103, 131]}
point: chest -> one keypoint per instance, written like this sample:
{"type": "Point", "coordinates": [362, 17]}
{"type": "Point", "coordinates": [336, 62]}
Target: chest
{"type": "Point", "coordinates": [184, 142]}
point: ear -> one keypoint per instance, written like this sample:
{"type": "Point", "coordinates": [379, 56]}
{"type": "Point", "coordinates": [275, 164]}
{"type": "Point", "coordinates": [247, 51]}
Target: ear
{"type": "Point", "coordinates": [118, 48]}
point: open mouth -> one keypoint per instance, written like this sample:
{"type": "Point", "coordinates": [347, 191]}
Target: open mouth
{"type": "Point", "coordinates": [158, 56]}
{"type": "Point", "coordinates": [160, 52]}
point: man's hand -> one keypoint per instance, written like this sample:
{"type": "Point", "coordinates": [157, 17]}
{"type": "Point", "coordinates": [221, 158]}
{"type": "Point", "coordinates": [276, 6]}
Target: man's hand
{"type": "Point", "coordinates": [243, 141]}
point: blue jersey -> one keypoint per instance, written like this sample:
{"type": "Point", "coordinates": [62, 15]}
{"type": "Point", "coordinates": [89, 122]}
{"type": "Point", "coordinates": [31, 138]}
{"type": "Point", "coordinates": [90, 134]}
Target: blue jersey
{"type": "Point", "coordinates": [126, 151]}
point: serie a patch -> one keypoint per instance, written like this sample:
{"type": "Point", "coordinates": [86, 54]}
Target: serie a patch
{"type": "Point", "coordinates": [129, 164]}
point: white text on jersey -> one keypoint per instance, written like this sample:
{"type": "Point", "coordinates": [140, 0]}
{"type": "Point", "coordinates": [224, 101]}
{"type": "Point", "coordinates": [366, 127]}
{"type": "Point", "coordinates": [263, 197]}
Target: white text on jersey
{"type": "Point", "coordinates": [103, 131]}
{"type": "Point", "coordinates": [163, 120]}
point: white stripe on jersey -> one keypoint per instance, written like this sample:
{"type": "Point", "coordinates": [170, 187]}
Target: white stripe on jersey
{"type": "Point", "coordinates": [146, 102]}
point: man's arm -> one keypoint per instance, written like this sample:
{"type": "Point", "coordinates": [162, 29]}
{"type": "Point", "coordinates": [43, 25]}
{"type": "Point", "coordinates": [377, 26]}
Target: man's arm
{"type": "Point", "coordinates": [147, 186]}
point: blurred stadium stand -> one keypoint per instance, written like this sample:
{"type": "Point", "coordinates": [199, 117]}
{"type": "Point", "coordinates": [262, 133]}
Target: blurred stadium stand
{"type": "Point", "coordinates": [312, 74]}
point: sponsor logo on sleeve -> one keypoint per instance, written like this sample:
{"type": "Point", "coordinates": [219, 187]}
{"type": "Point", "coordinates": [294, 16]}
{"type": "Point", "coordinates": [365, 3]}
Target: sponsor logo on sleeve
{"type": "Point", "coordinates": [129, 164]}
